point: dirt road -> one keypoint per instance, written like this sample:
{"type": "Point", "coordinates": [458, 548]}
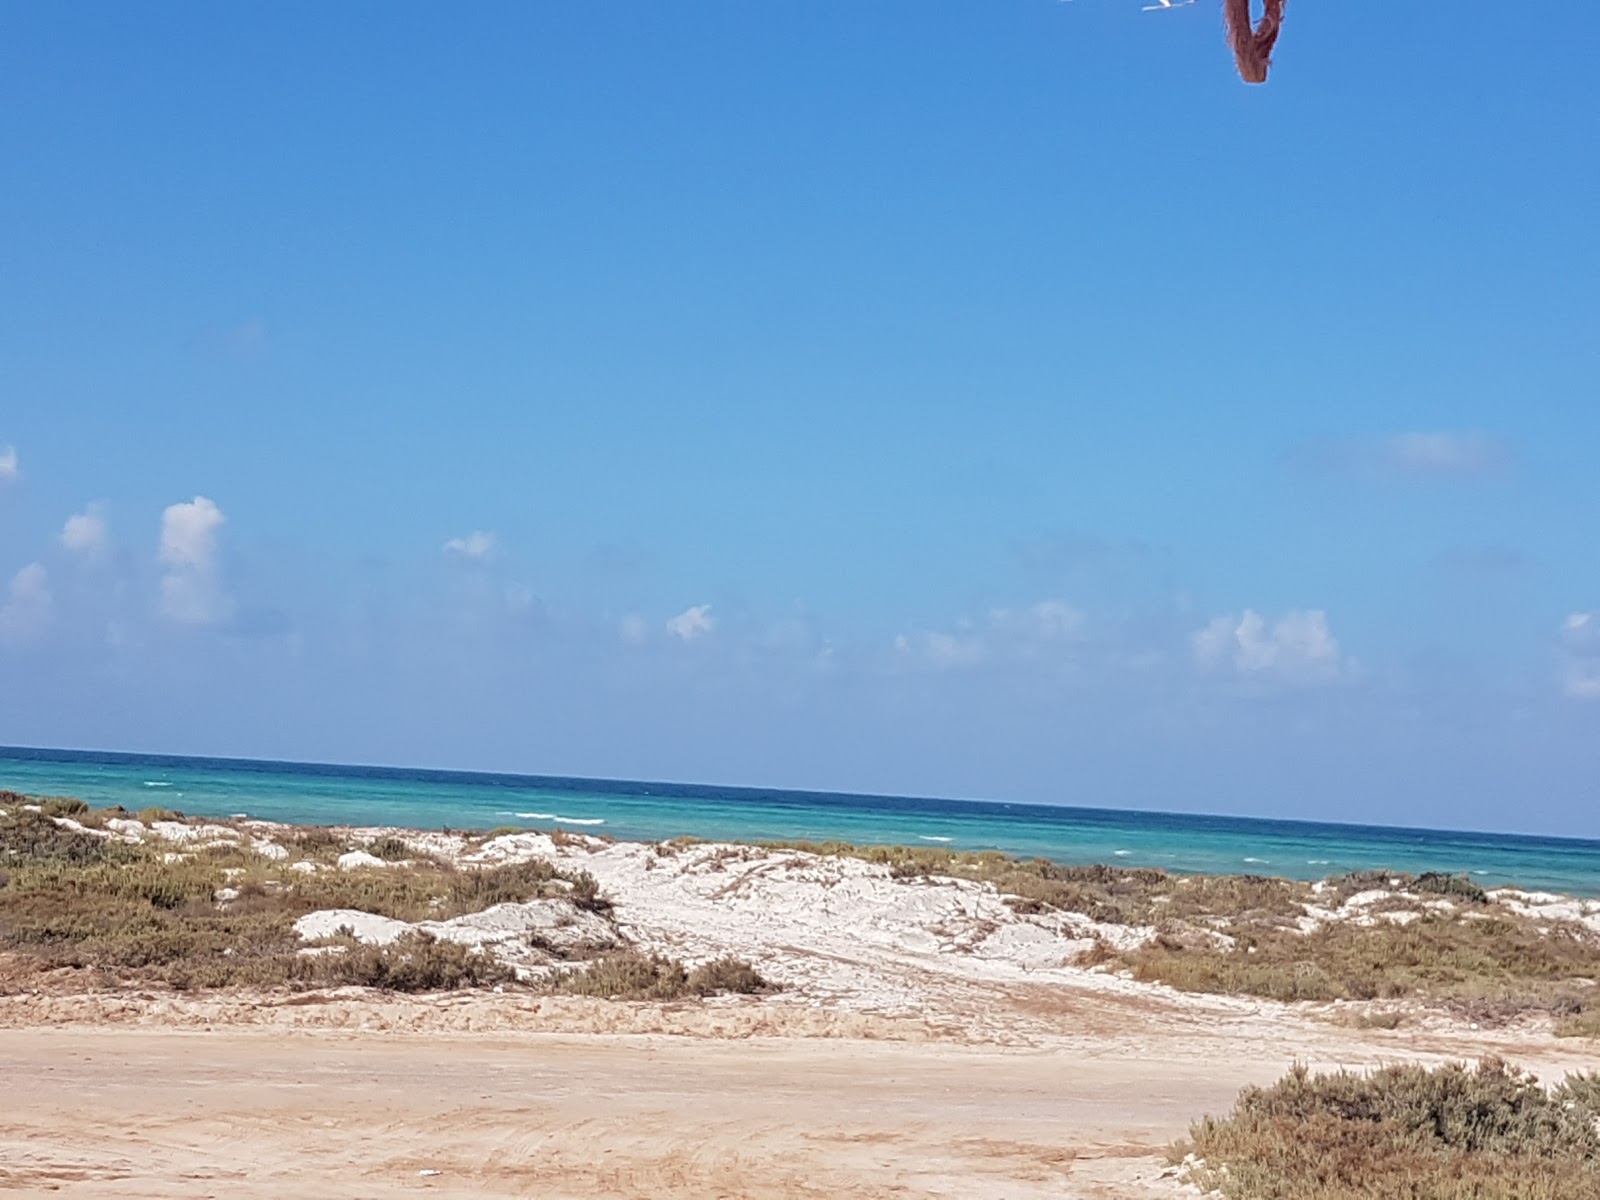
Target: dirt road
{"type": "Point", "coordinates": [246, 1111]}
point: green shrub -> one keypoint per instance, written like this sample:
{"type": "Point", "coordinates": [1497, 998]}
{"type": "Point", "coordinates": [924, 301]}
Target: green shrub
{"type": "Point", "coordinates": [1460, 887]}
{"type": "Point", "coordinates": [417, 962]}
{"type": "Point", "coordinates": [727, 974]}
{"type": "Point", "coordinates": [30, 837]}
{"type": "Point", "coordinates": [390, 849]}
{"type": "Point", "coordinates": [1405, 1133]}
{"type": "Point", "coordinates": [629, 975]}
{"type": "Point", "coordinates": [62, 806]}
{"type": "Point", "coordinates": [585, 893]}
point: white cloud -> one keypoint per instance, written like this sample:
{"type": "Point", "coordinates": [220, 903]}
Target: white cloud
{"type": "Point", "coordinates": [85, 532]}
{"type": "Point", "coordinates": [190, 591]}
{"type": "Point", "coordinates": [477, 545]}
{"type": "Point", "coordinates": [521, 599]}
{"type": "Point", "coordinates": [692, 623]}
{"type": "Point", "coordinates": [1580, 667]}
{"type": "Point", "coordinates": [1439, 453]}
{"type": "Point", "coordinates": [9, 470]}
{"type": "Point", "coordinates": [942, 651]}
{"type": "Point", "coordinates": [1012, 634]}
{"type": "Point", "coordinates": [1298, 648]}
{"type": "Point", "coordinates": [1422, 453]}
{"type": "Point", "coordinates": [1047, 621]}
{"type": "Point", "coordinates": [189, 534]}
{"type": "Point", "coordinates": [29, 606]}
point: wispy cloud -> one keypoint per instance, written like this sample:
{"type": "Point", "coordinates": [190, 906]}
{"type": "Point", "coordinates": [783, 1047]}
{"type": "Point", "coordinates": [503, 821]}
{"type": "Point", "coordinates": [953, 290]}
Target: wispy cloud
{"type": "Point", "coordinates": [1003, 634]}
{"type": "Point", "coordinates": [29, 607]}
{"type": "Point", "coordinates": [85, 533]}
{"type": "Point", "coordinates": [191, 592]}
{"type": "Point", "coordinates": [248, 338]}
{"type": "Point", "coordinates": [692, 623]}
{"type": "Point", "coordinates": [477, 546]}
{"type": "Point", "coordinates": [1416, 454]}
{"type": "Point", "coordinates": [9, 468]}
{"type": "Point", "coordinates": [1299, 647]}
{"type": "Point", "coordinates": [1580, 652]}
{"type": "Point", "coordinates": [1483, 560]}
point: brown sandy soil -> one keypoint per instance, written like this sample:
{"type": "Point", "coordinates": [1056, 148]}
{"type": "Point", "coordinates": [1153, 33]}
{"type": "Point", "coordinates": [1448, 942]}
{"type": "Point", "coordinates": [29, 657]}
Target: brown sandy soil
{"type": "Point", "coordinates": [356, 1095]}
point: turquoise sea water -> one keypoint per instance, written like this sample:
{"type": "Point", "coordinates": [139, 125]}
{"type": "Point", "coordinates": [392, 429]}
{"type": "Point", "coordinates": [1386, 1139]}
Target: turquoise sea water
{"type": "Point", "coordinates": [321, 794]}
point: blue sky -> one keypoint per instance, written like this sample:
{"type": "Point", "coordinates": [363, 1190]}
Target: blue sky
{"type": "Point", "coordinates": [988, 399]}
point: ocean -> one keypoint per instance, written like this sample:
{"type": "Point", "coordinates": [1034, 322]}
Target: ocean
{"type": "Point", "coordinates": [315, 793]}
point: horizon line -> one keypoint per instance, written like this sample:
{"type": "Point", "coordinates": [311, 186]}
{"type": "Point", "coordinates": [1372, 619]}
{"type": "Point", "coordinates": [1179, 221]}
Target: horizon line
{"type": "Point", "coordinates": [758, 789]}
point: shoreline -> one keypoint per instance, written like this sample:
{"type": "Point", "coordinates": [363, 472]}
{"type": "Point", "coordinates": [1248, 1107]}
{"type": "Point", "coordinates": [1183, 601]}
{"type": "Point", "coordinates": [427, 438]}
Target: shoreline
{"type": "Point", "coordinates": [1187, 842]}
{"type": "Point", "coordinates": [933, 1035]}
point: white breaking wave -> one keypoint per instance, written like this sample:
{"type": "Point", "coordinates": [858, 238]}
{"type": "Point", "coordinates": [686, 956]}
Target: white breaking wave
{"type": "Point", "coordinates": [560, 819]}
{"type": "Point", "coordinates": [156, 783]}
{"type": "Point", "coordinates": [1122, 853]}
{"type": "Point", "coordinates": [1258, 860]}
{"type": "Point", "coordinates": [928, 837]}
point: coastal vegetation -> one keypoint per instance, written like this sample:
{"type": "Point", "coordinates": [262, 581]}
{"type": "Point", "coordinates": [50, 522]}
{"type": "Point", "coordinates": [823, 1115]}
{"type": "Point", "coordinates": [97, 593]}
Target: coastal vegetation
{"type": "Point", "coordinates": [630, 975]}
{"type": "Point", "coordinates": [1368, 936]}
{"type": "Point", "coordinates": [218, 911]}
{"type": "Point", "coordinates": [1484, 1132]}
{"type": "Point", "coordinates": [212, 905]}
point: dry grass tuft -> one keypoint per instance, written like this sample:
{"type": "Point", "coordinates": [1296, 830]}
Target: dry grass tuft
{"type": "Point", "coordinates": [1584, 1024]}
{"type": "Point", "coordinates": [629, 975]}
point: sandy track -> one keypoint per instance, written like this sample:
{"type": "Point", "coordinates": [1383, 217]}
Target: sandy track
{"type": "Point", "coordinates": [237, 1112]}
{"type": "Point", "coordinates": [255, 1111]}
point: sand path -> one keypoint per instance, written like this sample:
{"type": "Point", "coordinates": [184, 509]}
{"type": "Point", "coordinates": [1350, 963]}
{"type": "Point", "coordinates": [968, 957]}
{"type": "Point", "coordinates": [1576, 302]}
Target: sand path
{"type": "Point", "coordinates": [240, 1113]}
{"type": "Point", "coordinates": [255, 1111]}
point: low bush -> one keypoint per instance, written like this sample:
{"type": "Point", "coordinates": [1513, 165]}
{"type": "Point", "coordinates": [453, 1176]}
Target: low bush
{"type": "Point", "coordinates": [62, 806]}
{"type": "Point", "coordinates": [1458, 887]}
{"type": "Point", "coordinates": [32, 837]}
{"type": "Point", "coordinates": [1584, 1024]}
{"type": "Point", "coordinates": [630, 975]}
{"type": "Point", "coordinates": [725, 975]}
{"type": "Point", "coordinates": [416, 962]}
{"type": "Point", "coordinates": [391, 849]}
{"type": "Point", "coordinates": [1488, 1132]}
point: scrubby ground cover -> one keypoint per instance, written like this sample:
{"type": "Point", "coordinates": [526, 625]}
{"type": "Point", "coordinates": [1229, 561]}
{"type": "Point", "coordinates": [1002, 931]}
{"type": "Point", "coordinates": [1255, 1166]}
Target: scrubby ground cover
{"type": "Point", "coordinates": [219, 909]}
{"type": "Point", "coordinates": [1488, 1132]}
{"type": "Point", "coordinates": [1369, 936]}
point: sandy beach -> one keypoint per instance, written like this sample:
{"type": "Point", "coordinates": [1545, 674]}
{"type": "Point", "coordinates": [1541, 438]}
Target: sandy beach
{"type": "Point", "coordinates": [929, 1040]}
